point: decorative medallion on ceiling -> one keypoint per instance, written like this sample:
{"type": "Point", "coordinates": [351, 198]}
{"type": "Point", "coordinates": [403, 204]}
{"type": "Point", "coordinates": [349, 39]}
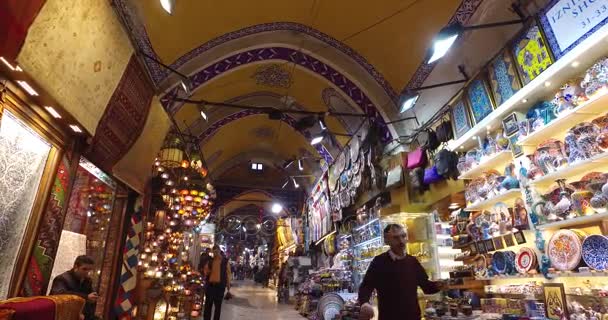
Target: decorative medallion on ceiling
{"type": "Point", "coordinates": [273, 75]}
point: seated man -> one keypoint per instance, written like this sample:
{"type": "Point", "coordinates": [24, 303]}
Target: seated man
{"type": "Point", "coordinates": [78, 282]}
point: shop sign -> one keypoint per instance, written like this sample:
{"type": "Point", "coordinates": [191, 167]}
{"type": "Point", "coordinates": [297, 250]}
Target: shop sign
{"type": "Point", "coordinates": [567, 22]}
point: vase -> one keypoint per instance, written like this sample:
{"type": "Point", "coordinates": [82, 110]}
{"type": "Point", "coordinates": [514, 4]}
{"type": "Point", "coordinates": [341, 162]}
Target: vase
{"type": "Point", "coordinates": [562, 207]}
{"type": "Point", "coordinates": [599, 201]}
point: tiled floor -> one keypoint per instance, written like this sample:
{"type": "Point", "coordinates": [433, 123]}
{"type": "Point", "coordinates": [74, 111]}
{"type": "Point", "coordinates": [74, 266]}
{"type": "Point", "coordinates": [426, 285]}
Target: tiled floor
{"type": "Point", "coordinates": [254, 302]}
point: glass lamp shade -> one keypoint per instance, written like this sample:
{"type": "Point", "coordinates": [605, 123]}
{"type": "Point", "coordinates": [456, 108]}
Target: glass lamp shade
{"type": "Point", "coordinates": [171, 157]}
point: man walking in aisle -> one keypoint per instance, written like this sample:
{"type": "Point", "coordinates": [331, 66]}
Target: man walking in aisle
{"type": "Point", "coordinates": [396, 276]}
{"type": "Point", "coordinates": [77, 281]}
{"type": "Point", "coordinates": [218, 274]}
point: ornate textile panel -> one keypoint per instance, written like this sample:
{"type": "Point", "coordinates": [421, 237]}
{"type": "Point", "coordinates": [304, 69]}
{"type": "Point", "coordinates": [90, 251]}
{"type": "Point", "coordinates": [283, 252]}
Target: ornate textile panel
{"type": "Point", "coordinates": [143, 151]}
{"type": "Point", "coordinates": [23, 156]}
{"type": "Point", "coordinates": [16, 16]}
{"type": "Point", "coordinates": [124, 117]}
{"type": "Point", "coordinates": [41, 262]}
{"type": "Point", "coordinates": [77, 51]}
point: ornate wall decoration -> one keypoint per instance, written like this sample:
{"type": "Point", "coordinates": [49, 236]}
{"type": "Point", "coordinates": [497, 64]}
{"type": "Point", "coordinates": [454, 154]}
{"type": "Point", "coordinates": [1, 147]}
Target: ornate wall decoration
{"type": "Point", "coordinates": [291, 55]}
{"type": "Point", "coordinates": [23, 156]}
{"type": "Point", "coordinates": [503, 77]}
{"type": "Point", "coordinates": [45, 248]}
{"type": "Point", "coordinates": [531, 53]}
{"type": "Point", "coordinates": [55, 55]}
{"type": "Point", "coordinates": [273, 76]}
{"type": "Point", "coordinates": [479, 99]}
{"type": "Point", "coordinates": [124, 117]}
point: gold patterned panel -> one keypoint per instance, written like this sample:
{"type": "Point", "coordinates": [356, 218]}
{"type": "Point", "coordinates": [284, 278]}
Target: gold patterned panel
{"type": "Point", "coordinates": [78, 51]}
{"type": "Point", "coordinates": [134, 168]}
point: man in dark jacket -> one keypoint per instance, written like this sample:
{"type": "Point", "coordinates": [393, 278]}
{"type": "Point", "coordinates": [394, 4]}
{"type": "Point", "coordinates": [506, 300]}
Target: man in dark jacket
{"type": "Point", "coordinates": [218, 274]}
{"type": "Point", "coordinates": [396, 276]}
{"type": "Point", "coordinates": [205, 258]}
{"type": "Point", "coordinates": [78, 282]}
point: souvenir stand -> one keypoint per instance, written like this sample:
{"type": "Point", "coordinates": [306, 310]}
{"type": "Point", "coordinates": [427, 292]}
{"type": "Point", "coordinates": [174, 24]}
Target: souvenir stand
{"type": "Point", "coordinates": [533, 135]}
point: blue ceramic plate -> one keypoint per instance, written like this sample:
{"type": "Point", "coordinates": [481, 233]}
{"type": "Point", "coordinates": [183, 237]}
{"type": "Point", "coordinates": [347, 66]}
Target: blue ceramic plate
{"type": "Point", "coordinates": [595, 252]}
{"type": "Point", "coordinates": [499, 262]}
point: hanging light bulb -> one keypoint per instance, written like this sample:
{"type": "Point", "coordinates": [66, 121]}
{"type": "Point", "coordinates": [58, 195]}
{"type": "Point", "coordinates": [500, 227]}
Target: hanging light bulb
{"type": "Point", "coordinates": [300, 165]}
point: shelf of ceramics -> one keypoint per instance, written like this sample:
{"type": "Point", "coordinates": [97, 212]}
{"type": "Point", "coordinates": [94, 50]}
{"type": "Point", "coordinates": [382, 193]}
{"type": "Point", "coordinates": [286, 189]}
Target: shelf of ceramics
{"type": "Point", "coordinates": [558, 128]}
{"type": "Point", "coordinates": [496, 161]}
{"type": "Point", "coordinates": [574, 171]}
{"type": "Point", "coordinates": [574, 222]}
{"type": "Point", "coordinates": [545, 85]}
{"type": "Point", "coordinates": [506, 197]}
{"type": "Point", "coordinates": [552, 276]}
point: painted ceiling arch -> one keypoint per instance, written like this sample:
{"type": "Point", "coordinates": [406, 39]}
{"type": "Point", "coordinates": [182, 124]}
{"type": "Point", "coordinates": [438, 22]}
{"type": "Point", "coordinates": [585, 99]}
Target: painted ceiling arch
{"type": "Point", "coordinates": [286, 54]}
{"type": "Point", "coordinates": [367, 29]}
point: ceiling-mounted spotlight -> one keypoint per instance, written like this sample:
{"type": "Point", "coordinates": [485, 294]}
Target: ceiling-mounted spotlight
{"type": "Point", "coordinates": [275, 114]}
{"type": "Point", "coordinates": [300, 165]}
{"type": "Point", "coordinates": [316, 140]}
{"type": "Point", "coordinates": [203, 113]}
{"type": "Point", "coordinates": [287, 163]}
{"type": "Point", "coordinates": [444, 40]}
{"type": "Point", "coordinates": [168, 5]}
{"type": "Point", "coordinates": [322, 123]}
{"type": "Point", "coordinates": [295, 183]}
{"type": "Point", "coordinates": [408, 101]}
{"type": "Point", "coordinates": [186, 85]}
{"type": "Point", "coordinates": [277, 208]}
{"type": "Point", "coordinates": [285, 184]}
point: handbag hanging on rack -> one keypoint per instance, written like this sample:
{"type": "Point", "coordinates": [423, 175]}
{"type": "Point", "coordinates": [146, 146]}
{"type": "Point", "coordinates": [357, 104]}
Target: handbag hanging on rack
{"type": "Point", "coordinates": [416, 158]}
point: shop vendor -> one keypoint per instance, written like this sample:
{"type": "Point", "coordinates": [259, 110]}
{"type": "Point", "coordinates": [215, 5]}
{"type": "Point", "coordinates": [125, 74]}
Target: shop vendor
{"type": "Point", "coordinates": [396, 276]}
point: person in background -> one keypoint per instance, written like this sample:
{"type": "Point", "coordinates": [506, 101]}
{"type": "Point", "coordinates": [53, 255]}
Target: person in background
{"type": "Point", "coordinates": [77, 281]}
{"type": "Point", "coordinates": [218, 274]}
{"type": "Point", "coordinates": [204, 259]}
{"type": "Point", "coordinates": [396, 276]}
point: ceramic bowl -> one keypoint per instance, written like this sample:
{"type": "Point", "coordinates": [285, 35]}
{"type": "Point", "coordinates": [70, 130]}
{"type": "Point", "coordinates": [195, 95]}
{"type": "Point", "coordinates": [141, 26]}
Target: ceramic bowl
{"type": "Point", "coordinates": [595, 252]}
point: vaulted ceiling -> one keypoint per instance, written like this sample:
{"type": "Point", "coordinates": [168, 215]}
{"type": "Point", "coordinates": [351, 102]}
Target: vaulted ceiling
{"type": "Point", "coordinates": [344, 56]}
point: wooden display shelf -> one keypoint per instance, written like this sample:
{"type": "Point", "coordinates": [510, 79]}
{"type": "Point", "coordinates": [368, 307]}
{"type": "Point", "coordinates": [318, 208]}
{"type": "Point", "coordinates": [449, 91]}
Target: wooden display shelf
{"type": "Point", "coordinates": [503, 197]}
{"type": "Point", "coordinates": [584, 220]}
{"type": "Point", "coordinates": [569, 172]}
{"type": "Point", "coordinates": [544, 85]}
{"type": "Point", "coordinates": [491, 162]}
{"type": "Point", "coordinates": [554, 275]}
{"type": "Point", "coordinates": [557, 128]}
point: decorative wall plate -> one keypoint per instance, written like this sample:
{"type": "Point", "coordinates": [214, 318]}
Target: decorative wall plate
{"type": "Point", "coordinates": [564, 250]}
{"type": "Point", "coordinates": [499, 262]}
{"type": "Point", "coordinates": [595, 252]}
{"type": "Point", "coordinates": [355, 145]}
{"type": "Point", "coordinates": [525, 260]}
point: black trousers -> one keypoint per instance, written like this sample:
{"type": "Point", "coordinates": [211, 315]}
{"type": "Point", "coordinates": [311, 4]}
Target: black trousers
{"type": "Point", "coordinates": [214, 295]}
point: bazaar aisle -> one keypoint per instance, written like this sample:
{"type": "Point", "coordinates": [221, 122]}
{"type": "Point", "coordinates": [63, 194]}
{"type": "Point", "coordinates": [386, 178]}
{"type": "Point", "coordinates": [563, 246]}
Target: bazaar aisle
{"type": "Point", "coordinates": [251, 301]}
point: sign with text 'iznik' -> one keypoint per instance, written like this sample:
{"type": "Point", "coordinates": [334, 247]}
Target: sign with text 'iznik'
{"type": "Point", "coordinates": [567, 22]}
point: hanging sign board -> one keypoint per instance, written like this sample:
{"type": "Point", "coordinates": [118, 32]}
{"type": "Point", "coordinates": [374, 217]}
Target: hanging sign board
{"type": "Point", "coordinates": [568, 22]}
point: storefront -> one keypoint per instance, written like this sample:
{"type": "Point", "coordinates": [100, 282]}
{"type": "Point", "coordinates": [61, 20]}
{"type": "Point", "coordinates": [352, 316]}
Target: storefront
{"type": "Point", "coordinates": [511, 208]}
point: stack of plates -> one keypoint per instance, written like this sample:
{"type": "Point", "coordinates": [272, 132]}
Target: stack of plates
{"type": "Point", "coordinates": [329, 306]}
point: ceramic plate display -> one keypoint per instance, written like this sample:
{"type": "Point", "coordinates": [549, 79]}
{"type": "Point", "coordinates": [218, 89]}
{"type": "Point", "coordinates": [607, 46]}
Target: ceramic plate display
{"type": "Point", "coordinates": [479, 99]}
{"type": "Point", "coordinates": [525, 260]}
{"type": "Point", "coordinates": [499, 262]}
{"type": "Point", "coordinates": [595, 252]}
{"type": "Point", "coordinates": [510, 260]}
{"type": "Point", "coordinates": [564, 250]}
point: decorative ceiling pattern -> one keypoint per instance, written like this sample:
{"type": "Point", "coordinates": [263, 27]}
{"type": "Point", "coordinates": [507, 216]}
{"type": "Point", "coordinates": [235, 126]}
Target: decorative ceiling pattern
{"type": "Point", "coordinates": [273, 75]}
{"type": "Point", "coordinates": [300, 59]}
